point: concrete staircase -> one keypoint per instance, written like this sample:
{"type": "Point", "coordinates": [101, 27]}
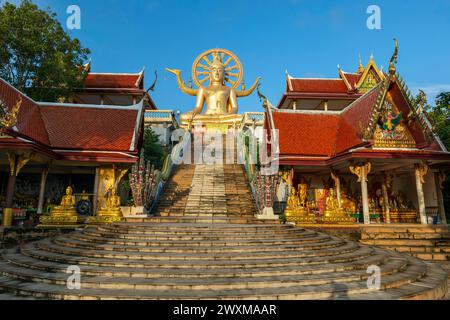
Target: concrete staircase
{"type": "Point", "coordinates": [431, 243]}
{"type": "Point", "coordinates": [205, 243]}
{"type": "Point", "coordinates": [188, 258]}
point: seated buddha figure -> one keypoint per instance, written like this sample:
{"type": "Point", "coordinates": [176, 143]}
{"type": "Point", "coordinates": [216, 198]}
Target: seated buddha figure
{"type": "Point", "coordinates": [347, 202]}
{"type": "Point", "coordinates": [67, 206]}
{"type": "Point", "coordinates": [293, 204]}
{"type": "Point", "coordinates": [332, 206]}
{"type": "Point", "coordinates": [112, 205]}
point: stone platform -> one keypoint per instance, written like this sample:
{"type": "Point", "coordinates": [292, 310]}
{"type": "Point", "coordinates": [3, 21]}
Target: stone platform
{"type": "Point", "coordinates": [188, 258]}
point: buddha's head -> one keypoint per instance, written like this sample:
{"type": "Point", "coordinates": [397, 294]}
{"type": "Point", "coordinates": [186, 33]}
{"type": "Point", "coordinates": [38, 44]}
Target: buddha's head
{"type": "Point", "coordinates": [332, 192]}
{"type": "Point", "coordinates": [113, 191]}
{"type": "Point", "coordinates": [217, 71]}
{"type": "Point", "coordinates": [69, 191]}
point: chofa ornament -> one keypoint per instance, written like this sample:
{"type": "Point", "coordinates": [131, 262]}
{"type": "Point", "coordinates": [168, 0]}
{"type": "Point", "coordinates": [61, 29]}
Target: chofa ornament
{"type": "Point", "coordinates": [8, 117]}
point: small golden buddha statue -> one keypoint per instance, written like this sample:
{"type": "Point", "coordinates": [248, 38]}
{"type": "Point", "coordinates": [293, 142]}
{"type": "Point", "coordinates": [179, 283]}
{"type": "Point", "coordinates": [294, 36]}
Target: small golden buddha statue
{"type": "Point", "coordinates": [110, 212]}
{"type": "Point", "coordinates": [335, 213]}
{"type": "Point", "coordinates": [63, 215]}
{"type": "Point", "coordinates": [112, 205]}
{"type": "Point", "coordinates": [347, 203]}
{"type": "Point", "coordinates": [295, 211]}
{"type": "Point", "coordinates": [302, 194]}
{"type": "Point", "coordinates": [67, 206]}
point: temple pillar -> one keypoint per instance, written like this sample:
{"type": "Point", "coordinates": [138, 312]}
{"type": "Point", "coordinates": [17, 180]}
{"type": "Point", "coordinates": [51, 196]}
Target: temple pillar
{"type": "Point", "coordinates": [337, 183]}
{"type": "Point", "coordinates": [96, 188]}
{"type": "Point", "coordinates": [439, 179]}
{"type": "Point", "coordinates": [362, 172]}
{"type": "Point", "coordinates": [44, 175]}
{"type": "Point", "coordinates": [16, 163]}
{"type": "Point", "coordinates": [387, 209]}
{"type": "Point", "coordinates": [365, 200]}
{"type": "Point", "coordinates": [421, 171]}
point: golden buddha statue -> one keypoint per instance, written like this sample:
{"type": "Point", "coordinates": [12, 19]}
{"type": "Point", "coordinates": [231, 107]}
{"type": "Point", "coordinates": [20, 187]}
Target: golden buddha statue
{"type": "Point", "coordinates": [216, 67]}
{"type": "Point", "coordinates": [64, 214]}
{"type": "Point", "coordinates": [302, 193]}
{"type": "Point", "coordinates": [111, 211]}
{"type": "Point", "coordinates": [335, 213]}
{"type": "Point", "coordinates": [295, 211]}
{"type": "Point", "coordinates": [348, 204]}
{"type": "Point", "coordinates": [67, 206]}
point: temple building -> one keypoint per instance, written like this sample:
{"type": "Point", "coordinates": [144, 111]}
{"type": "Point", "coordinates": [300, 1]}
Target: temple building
{"type": "Point", "coordinates": [357, 149]}
{"type": "Point", "coordinates": [87, 144]}
{"type": "Point", "coordinates": [116, 89]}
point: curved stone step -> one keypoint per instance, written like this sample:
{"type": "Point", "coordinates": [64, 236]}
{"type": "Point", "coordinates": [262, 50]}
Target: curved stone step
{"type": "Point", "coordinates": [428, 287]}
{"type": "Point", "coordinates": [378, 258]}
{"type": "Point", "coordinates": [37, 253]}
{"type": "Point", "coordinates": [409, 273]}
{"type": "Point", "coordinates": [133, 245]}
{"type": "Point", "coordinates": [48, 246]}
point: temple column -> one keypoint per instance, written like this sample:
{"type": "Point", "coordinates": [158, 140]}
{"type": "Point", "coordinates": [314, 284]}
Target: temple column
{"type": "Point", "coordinates": [387, 209]}
{"type": "Point", "coordinates": [44, 175]}
{"type": "Point", "coordinates": [421, 171]}
{"type": "Point", "coordinates": [439, 178]}
{"type": "Point", "coordinates": [362, 172]}
{"type": "Point", "coordinates": [16, 163]}
{"type": "Point", "coordinates": [96, 187]}
{"type": "Point", "coordinates": [337, 183]}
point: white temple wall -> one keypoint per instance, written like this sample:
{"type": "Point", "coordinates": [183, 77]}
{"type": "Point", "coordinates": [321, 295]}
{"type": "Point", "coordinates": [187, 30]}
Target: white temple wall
{"type": "Point", "coordinates": [429, 190]}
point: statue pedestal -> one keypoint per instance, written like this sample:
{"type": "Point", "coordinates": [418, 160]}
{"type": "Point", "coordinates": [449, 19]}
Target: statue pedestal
{"type": "Point", "coordinates": [219, 123]}
{"type": "Point", "coordinates": [268, 214]}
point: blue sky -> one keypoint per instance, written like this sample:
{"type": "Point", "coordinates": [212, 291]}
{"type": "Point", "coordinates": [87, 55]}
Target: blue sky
{"type": "Point", "coordinates": [307, 38]}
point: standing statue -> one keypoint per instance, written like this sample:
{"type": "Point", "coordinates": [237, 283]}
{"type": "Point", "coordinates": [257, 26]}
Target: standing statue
{"type": "Point", "coordinates": [216, 67]}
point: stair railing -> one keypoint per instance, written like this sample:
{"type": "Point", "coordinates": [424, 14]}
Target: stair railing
{"type": "Point", "coordinates": [172, 159]}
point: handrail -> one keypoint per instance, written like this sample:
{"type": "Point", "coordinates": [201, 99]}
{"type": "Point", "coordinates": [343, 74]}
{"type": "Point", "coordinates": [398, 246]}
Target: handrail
{"type": "Point", "coordinates": [163, 175]}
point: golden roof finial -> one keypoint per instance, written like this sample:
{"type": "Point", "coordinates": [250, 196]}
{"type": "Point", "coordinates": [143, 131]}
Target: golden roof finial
{"type": "Point", "coordinates": [360, 67]}
{"type": "Point", "coordinates": [9, 117]}
{"type": "Point", "coordinates": [392, 69]}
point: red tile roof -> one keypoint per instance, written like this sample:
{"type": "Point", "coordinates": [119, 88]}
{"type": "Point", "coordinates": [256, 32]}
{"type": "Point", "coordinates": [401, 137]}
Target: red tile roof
{"type": "Point", "coordinates": [352, 78]}
{"type": "Point", "coordinates": [29, 120]}
{"type": "Point", "coordinates": [74, 127]}
{"type": "Point", "coordinates": [116, 81]}
{"type": "Point", "coordinates": [306, 133]}
{"type": "Point", "coordinates": [89, 128]}
{"type": "Point", "coordinates": [319, 86]}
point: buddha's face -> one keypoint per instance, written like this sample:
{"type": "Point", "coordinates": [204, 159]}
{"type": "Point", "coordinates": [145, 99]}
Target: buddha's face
{"type": "Point", "coordinates": [69, 191]}
{"type": "Point", "coordinates": [217, 73]}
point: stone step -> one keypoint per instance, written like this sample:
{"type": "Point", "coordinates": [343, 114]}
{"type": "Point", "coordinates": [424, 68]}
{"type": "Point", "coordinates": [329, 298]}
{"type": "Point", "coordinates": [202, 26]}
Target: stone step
{"type": "Point", "coordinates": [20, 260]}
{"type": "Point", "coordinates": [224, 254]}
{"type": "Point", "coordinates": [412, 272]}
{"type": "Point", "coordinates": [37, 253]}
{"type": "Point", "coordinates": [428, 287]}
{"type": "Point", "coordinates": [163, 256]}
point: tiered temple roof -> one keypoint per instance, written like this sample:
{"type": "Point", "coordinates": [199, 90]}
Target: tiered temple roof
{"type": "Point", "coordinates": [324, 121]}
{"type": "Point", "coordinates": [74, 132]}
{"type": "Point", "coordinates": [121, 89]}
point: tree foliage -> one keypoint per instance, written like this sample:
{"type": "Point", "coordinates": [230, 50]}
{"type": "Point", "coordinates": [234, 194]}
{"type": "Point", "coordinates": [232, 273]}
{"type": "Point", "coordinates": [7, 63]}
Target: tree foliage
{"type": "Point", "coordinates": [440, 118]}
{"type": "Point", "coordinates": [36, 55]}
{"type": "Point", "coordinates": [154, 151]}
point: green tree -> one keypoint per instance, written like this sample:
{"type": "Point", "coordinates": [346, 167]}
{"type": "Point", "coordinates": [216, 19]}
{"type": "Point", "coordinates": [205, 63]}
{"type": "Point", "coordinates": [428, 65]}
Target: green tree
{"type": "Point", "coordinates": [440, 118]}
{"type": "Point", "coordinates": [154, 151]}
{"type": "Point", "coordinates": [36, 55]}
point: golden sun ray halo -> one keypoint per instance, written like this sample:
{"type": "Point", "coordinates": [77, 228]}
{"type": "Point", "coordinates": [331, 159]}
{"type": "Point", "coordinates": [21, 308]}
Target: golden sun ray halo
{"type": "Point", "coordinates": [202, 67]}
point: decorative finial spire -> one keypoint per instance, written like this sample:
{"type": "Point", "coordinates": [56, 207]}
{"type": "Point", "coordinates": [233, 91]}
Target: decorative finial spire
{"type": "Point", "coordinates": [360, 67]}
{"type": "Point", "coordinates": [392, 69]}
{"type": "Point", "coordinates": [371, 57]}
